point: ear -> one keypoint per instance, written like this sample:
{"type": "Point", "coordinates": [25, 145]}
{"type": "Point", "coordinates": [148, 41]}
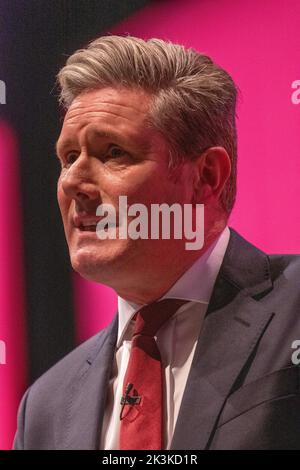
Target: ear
{"type": "Point", "coordinates": [212, 170]}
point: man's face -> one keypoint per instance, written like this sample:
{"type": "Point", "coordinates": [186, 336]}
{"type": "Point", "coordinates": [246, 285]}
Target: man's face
{"type": "Point", "coordinates": [106, 151]}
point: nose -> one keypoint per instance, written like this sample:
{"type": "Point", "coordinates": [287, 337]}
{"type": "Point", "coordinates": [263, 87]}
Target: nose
{"type": "Point", "coordinates": [78, 183]}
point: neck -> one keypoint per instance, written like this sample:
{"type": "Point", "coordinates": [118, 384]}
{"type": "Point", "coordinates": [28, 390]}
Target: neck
{"type": "Point", "coordinates": [149, 286]}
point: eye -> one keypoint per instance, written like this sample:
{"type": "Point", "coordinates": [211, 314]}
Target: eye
{"type": "Point", "coordinates": [114, 151]}
{"type": "Point", "coordinates": [69, 159]}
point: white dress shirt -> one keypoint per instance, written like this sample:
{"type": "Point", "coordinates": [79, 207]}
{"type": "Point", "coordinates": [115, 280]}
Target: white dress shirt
{"type": "Point", "coordinates": [177, 340]}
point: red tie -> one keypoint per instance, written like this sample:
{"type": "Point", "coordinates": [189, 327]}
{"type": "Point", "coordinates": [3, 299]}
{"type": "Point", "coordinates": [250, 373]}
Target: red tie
{"type": "Point", "coordinates": [142, 402]}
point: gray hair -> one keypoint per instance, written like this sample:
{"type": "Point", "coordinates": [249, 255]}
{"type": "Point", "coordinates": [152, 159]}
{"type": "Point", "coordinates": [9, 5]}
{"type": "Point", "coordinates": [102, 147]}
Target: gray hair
{"type": "Point", "coordinates": [194, 99]}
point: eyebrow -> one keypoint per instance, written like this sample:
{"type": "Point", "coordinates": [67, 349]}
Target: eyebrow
{"type": "Point", "coordinates": [143, 146]}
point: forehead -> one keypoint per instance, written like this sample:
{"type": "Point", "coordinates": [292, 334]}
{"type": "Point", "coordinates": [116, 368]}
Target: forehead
{"type": "Point", "coordinates": [107, 111]}
{"type": "Point", "coordinates": [123, 101]}
{"type": "Point", "coordinates": [117, 114]}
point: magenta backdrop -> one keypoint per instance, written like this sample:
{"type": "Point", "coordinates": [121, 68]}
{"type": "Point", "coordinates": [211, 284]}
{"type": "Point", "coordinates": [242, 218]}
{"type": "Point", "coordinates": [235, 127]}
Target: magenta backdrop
{"type": "Point", "coordinates": [259, 44]}
{"type": "Point", "coordinates": [12, 306]}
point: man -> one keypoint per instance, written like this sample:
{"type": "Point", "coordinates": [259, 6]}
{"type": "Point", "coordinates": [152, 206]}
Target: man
{"type": "Point", "coordinates": [155, 122]}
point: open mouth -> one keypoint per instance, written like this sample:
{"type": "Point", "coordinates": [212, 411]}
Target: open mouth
{"type": "Point", "coordinates": [93, 227]}
{"type": "Point", "coordinates": [88, 228]}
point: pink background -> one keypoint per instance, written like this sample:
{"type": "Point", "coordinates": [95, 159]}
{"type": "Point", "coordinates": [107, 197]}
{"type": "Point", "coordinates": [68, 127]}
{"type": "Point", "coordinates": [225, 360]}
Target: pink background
{"type": "Point", "coordinates": [259, 44]}
{"type": "Point", "coordinates": [12, 305]}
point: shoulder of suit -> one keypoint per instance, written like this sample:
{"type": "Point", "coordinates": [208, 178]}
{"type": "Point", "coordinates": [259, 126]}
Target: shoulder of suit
{"type": "Point", "coordinates": [285, 263]}
{"type": "Point", "coordinates": [61, 375]}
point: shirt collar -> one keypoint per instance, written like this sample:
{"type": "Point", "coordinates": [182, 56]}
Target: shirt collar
{"type": "Point", "coordinates": [196, 284]}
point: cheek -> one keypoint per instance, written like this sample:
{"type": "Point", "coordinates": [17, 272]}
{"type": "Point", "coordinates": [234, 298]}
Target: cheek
{"type": "Point", "coordinates": [59, 194]}
{"type": "Point", "coordinates": [62, 199]}
{"type": "Point", "coordinates": [147, 184]}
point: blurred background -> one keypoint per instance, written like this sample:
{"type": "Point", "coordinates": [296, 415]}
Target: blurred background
{"type": "Point", "coordinates": [45, 309]}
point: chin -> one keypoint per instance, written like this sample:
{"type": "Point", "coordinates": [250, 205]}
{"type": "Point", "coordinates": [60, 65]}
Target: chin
{"type": "Point", "coordinates": [100, 265]}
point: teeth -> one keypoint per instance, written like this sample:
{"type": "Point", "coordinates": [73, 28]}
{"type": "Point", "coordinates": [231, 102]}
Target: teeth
{"type": "Point", "coordinates": [89, 224]}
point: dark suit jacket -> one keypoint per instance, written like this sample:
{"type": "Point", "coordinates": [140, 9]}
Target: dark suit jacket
{"type": "Point", "coordinates": [242, 392]}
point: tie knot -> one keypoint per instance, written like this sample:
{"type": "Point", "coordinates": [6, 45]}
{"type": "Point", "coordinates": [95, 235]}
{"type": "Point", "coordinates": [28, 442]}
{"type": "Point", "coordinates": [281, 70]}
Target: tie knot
{"type": "Point", "coordinates": [151, 317]}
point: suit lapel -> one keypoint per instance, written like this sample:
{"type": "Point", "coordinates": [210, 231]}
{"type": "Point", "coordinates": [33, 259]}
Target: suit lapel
{"type": "Point", "coordinates": [88, 395]}
{"type": "Point", "coordinates": [233, 326]}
